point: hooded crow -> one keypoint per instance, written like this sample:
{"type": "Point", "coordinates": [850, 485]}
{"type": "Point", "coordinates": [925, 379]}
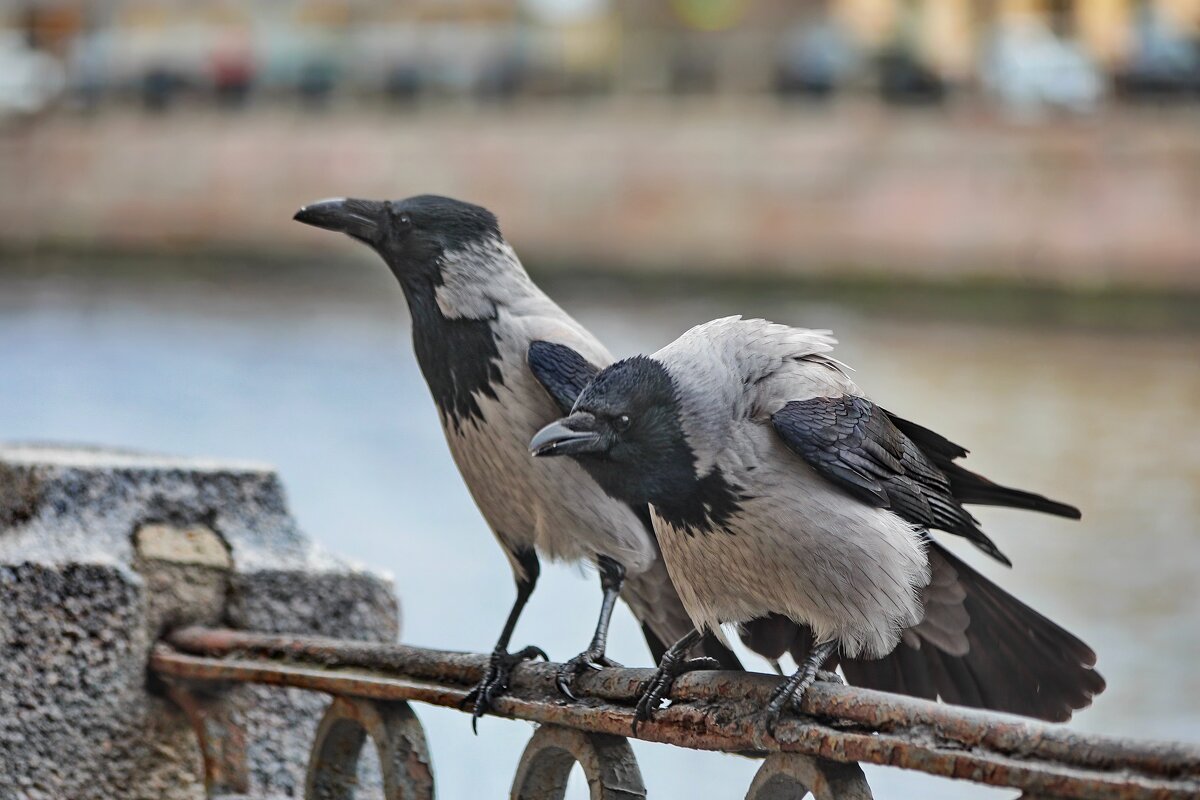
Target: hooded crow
{"type": "Point", "coordinates": [788, 503]}
{"type": "Point", "coordinates": [501, 360]}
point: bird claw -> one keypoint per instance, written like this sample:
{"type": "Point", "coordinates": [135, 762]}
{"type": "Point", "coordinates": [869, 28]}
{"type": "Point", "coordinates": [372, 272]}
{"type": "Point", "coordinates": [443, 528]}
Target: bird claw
{"type": "Point", "coordinates": [785, 695]}
{"type": "Point", "coordinates": [588, 659]}
{"type": "Point", "coordinates": [660, 685]}
{"type": "Point", "coordinates": [495, 681]}
{"type": "Point", "coordinates": [774, 708]}
{"type": "Point", "coordinates": [768, 722]}
{"type": "Point", "coordinates": [824, 676]}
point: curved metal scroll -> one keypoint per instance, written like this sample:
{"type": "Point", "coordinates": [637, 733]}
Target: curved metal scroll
{"type": "Point", "coordinates": [399, 740]}
{"type": "Point", "coordinates": [786, 776]}
{"type": "Point", "coordinates": [608, 762]}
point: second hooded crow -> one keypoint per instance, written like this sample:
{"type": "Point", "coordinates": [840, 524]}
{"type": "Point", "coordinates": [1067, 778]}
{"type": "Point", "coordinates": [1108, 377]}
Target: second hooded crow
{"type": "Point", "coordinates": [786, 501]}
{"type": "Point", "coordinates": [501, 360]}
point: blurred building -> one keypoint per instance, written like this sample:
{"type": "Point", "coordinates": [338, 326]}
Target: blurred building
{"type": "Point", "coordinates": [748, 46]}
{"type": "Point", "coordinates": [1062, 52]}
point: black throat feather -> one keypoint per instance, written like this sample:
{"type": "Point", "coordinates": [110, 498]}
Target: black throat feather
{"type": "Point", "coordinates": [705, 504]}
{"type": "Point", "coordinates": [459, 357]}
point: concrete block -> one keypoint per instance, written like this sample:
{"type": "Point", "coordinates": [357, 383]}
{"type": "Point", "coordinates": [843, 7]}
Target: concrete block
{"type": "Point", "coordinates": [103, 551]}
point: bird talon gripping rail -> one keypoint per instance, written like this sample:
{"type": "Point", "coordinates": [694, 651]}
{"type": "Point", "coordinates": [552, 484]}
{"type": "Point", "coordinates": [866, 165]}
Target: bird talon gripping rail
{"type": "Point", "coordinates": [372, 685]}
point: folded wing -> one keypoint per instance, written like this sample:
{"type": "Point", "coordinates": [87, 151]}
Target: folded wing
{"type": "Point", "coordinates": [855, 444]}
{"type": "Point", "coordinates": [977, 645]}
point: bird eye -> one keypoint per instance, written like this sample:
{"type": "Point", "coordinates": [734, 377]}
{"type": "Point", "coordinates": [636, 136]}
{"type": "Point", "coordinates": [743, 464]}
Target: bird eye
{"type": "Point", "coordinates": [621, 423]}
{"type": "Point", "coordinates": [400, 219]}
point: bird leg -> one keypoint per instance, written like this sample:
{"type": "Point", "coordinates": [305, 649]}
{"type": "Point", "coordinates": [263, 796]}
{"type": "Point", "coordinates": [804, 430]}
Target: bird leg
{"type": "Point", "coordinates": [794, 687]}
{"type": "Point", "coordinates": [612, 575]}
{"type": "Point", "coordinates": [672, 665]}
{"type": "Point", "coordinates": [500, 665]}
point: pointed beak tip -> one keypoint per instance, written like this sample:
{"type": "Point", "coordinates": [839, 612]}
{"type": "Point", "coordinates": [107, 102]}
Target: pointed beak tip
{"type": "Point", "coordinates": [558, 439]}
{"type": "Point", "coordinates": [322, 207]}
{"type": "Point", "coordinates": [313, 214]}
{"type": "Point", "coordinates": [545, 443]}
{"type": "Point", "coordinates": [335, 214]}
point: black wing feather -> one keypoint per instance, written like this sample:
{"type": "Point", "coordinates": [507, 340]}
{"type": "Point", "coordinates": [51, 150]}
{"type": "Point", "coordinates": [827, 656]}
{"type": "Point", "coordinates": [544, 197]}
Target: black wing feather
{"type": "Point", "coordinates": [970, 487]}
{"type": "Point", "coordinates": [563, 372]}
{"type": "Point", "coordinates": [856, 444]}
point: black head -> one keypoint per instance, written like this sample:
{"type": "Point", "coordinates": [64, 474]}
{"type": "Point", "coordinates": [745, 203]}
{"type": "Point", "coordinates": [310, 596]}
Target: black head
{"type": "Point", "coordinates": [625, 430]}
{"type": "Point", "coordinates": [411, 235]}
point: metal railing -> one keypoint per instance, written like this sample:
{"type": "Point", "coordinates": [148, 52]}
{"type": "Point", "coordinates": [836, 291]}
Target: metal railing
{"type": "Point", "coordinates": [817, 751]}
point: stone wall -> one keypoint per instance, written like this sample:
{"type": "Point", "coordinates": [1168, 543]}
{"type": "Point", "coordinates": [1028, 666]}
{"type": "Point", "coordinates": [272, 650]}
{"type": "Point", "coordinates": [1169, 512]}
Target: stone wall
{"type": "Point", "coordinates": [746, 189]}
{"type": "Point", "coordinates": [100, 552]}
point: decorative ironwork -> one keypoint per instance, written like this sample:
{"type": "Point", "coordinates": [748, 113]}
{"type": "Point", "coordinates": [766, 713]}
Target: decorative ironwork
{"type": "Point", "coordinates": [785, 776]}
{"type": "Point", "coordinates": [608, 763]}
{"type": "Point", "coordinates": [815, 751]}
{"type": "Point", "coordinates": [399, 740]}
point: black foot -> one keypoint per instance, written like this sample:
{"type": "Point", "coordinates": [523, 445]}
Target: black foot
{"type": "Point", "coordinates": [495, 681]}
{"type": "Point", "coordinates": [588, 659]}
{"type": "Point", "coordinates": [792, 690]}
{"type": "Point", "coordinates": [658, 687]}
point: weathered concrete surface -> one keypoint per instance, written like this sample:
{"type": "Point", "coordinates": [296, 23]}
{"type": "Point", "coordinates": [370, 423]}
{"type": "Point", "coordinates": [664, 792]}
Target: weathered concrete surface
{"type": "Point", "coordinates": [744, 188]}
{"type": "Point", "coordinates": [99, 553]}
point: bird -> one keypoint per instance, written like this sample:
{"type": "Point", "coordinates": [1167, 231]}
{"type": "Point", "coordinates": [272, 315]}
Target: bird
{"type": "Point", "coordinates": [787, 502]}
{"type": "Point", "coordinates": [501, 359]}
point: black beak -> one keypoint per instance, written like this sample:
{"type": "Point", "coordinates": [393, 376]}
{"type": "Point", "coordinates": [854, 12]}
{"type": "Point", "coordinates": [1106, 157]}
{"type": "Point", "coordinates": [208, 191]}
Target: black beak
{"type": "Point", "coordinates": [572, 436]}
{"type": "Point", "coordinates": [357, 218]}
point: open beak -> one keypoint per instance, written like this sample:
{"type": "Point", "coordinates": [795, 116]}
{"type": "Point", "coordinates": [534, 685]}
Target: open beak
{"type": "Point", "coordinates": [572, 436]}
{"type": "Point", "coordinates": [357, 218]}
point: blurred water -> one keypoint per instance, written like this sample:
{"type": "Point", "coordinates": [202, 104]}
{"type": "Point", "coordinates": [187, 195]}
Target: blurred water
{"type": "Point", "coordinates": [318, 378]}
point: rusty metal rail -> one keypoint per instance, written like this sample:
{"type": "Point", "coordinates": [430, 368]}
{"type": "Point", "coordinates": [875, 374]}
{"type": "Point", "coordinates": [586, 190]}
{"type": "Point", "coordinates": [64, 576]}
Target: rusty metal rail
{"type": "Point", "coordinates": [817, 751]}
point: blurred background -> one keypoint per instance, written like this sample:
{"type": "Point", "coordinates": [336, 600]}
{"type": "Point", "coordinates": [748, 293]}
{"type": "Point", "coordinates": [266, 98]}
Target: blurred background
{"type": "Point", "coordinates": [994, 204]}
